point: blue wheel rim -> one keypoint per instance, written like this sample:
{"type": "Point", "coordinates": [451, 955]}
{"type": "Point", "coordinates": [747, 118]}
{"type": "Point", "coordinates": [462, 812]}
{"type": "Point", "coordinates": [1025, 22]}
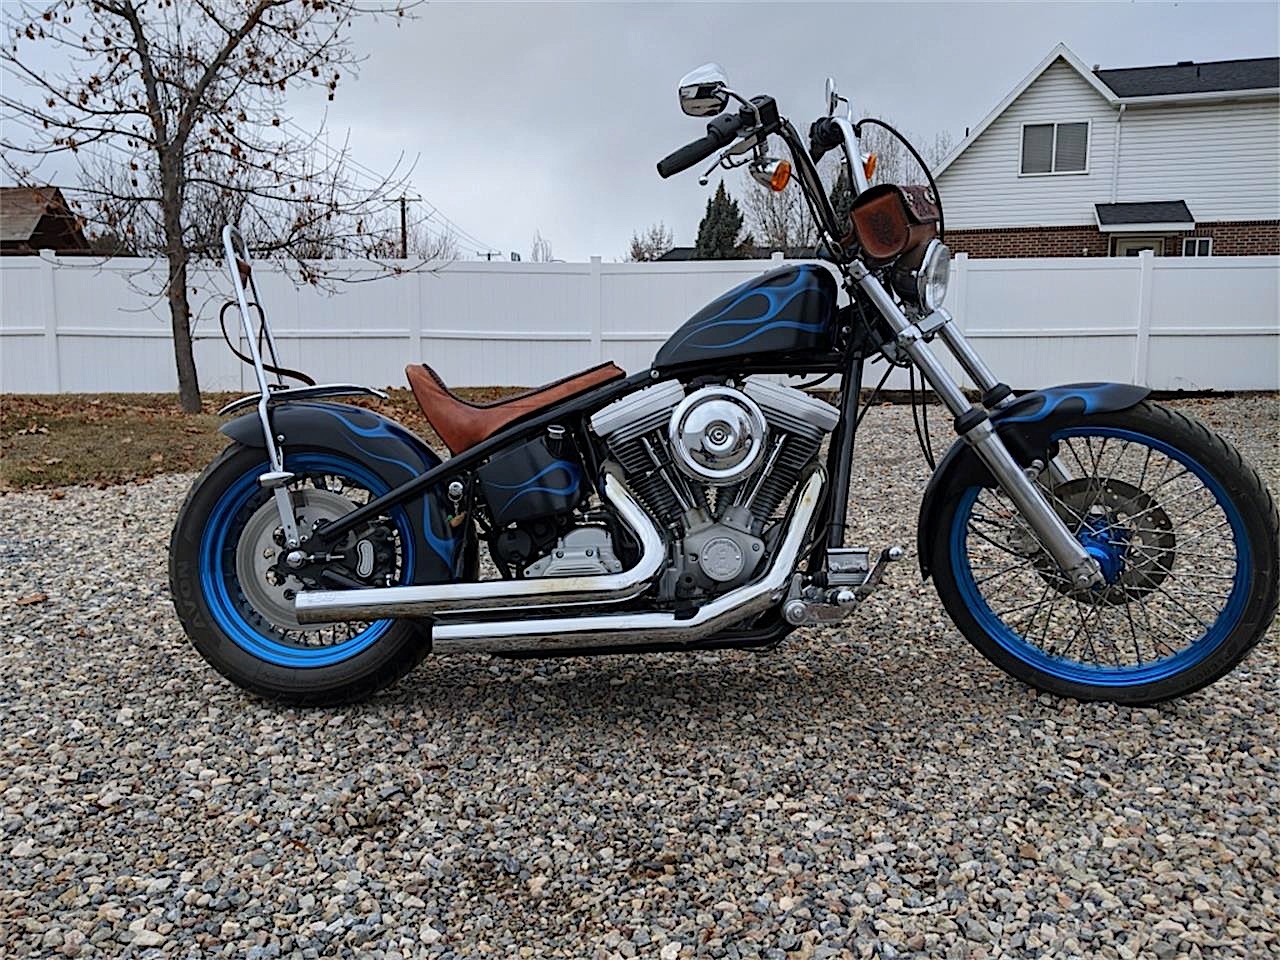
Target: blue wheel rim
{"type": "Point", "coordinates": [216, 577]}
{"type": "Point", "coordinates": [1075, 671]}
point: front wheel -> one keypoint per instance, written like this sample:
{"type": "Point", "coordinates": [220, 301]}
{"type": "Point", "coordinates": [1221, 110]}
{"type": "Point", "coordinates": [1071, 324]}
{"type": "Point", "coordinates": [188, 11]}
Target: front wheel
{"type": "Point", "coordinates": [1186, 536]}
{"type": "Point", "coordinates": [235, 598]}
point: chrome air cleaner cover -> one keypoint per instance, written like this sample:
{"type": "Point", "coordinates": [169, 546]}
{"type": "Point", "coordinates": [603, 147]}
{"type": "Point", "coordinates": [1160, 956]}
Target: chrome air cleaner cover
{"type": "Point", "coordinates": [717, 435]}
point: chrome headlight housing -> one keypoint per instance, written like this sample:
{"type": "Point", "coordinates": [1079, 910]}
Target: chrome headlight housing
{"type": "Point", "coordinates": [921, 276]}
{"type": "Point", "coordinates": [933, 275]}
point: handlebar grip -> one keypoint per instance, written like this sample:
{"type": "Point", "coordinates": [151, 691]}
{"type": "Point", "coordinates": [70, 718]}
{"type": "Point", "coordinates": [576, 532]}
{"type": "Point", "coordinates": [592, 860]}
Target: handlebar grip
{"type": "Point", "coordinates": [688, 155]}
{"type": "Point", "coordinates": [720, 131]}
{"type": "Point", "coordinates": [824, 135]}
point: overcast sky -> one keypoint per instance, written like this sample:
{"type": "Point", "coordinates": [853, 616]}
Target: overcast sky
{"type": "Point", "coordinates": [551, 117]}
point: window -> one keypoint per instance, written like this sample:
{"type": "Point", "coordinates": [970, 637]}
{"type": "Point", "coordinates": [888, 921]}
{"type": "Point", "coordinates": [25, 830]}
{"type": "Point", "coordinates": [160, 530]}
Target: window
{"type": "Point", "coordinates": [1055, 148]}
{"type": "Point", "coordinates": [1197, 247]}
{"type": "Point", "coordinates": [1132, 246]}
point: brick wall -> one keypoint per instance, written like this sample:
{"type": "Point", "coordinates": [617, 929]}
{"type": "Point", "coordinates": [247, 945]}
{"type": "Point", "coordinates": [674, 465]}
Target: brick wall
{"type": "Point", "coordinates": [1244, 238]}
{"type": "Point", "coordinates": [1230, 239]}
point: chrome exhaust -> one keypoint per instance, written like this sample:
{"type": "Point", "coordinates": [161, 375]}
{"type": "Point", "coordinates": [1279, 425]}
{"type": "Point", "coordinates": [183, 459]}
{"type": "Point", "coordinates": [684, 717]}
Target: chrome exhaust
{"type": "Point", "coordinates": [431, 600]}
{"type": "Point", "coordinates": [639, 628]}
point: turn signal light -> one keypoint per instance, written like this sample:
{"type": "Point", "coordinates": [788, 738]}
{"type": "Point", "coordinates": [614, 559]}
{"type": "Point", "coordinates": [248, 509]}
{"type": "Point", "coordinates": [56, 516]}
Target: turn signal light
{"type": "Point", "coordinates": [869, 166]}
{"type": "Point", "coordinates": [781, 176]}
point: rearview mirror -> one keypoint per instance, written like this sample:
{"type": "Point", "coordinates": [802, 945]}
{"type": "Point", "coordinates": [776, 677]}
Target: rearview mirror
{"type": "Point", "coordinates": [703, 91]}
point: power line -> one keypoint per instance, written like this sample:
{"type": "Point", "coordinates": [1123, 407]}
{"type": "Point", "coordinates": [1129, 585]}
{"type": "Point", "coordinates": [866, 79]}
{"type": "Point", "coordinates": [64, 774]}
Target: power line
{"type": "Point", "coordinates": [376, 179]}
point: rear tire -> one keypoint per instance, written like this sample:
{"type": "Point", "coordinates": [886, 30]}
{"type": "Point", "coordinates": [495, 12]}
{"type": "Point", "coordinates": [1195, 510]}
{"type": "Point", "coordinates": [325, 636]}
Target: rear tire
{"type": "Point", "coordinates": [224, 626]}
{"type": "Point", "coordinates": [1247, 579]}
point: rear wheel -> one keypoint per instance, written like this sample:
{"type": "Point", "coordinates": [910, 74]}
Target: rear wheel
{"type": "Point", "coordinates": [234, 596]}
{"type": "Point", "coordinates": [1185, 534]}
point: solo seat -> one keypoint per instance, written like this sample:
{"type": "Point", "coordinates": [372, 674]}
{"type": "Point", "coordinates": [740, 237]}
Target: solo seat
{"type": "Point", "coordinates": [462, 424]}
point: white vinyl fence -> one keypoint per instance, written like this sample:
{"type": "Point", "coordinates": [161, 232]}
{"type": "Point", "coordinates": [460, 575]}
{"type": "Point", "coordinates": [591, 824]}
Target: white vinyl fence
{"type": "Point", "coordinates": [85, 325]}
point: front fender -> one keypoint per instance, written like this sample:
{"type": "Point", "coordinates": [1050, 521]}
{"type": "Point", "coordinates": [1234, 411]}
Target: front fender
{"type": "Point", "coordinates": [383, 446]}
{"type": "Point", "coordinates": [1025, 426]}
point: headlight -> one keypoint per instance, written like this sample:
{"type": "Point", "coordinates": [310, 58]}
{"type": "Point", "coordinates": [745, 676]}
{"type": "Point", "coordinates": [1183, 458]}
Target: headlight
{"type": "Point", "coordinates": [933, 275]}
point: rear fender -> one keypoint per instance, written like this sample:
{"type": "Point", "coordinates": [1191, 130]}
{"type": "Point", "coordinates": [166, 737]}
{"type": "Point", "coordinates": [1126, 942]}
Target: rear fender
{"type": "Point", "coordinates": [1025, 426]}
{"type": "Point", "coordinates": [382, 445]}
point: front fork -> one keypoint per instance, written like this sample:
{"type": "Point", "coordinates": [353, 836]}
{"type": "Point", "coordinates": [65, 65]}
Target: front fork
{"type": "Point", "coordinates": [974, 426]}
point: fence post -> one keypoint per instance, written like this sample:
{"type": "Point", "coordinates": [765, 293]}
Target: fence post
{"type": "Point", "coordinates": [415, 321]}
{"type": "Point", "coordinates": [53, 366]}
{"type": "Point", "coordinates": [1146, 264]}
{"type": "Point", "coordinates": [597, 310]}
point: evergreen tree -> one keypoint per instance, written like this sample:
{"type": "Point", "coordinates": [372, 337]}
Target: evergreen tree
{"type": "Point", "coordinates": [719, 229]}
{"type": "Point", "coordinates": [842, 198]}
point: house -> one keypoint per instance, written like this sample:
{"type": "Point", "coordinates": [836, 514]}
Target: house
{"type": "Point", "coordinates": [38, 218]}
{"type": "Point", "coordinates": [1183, 160]}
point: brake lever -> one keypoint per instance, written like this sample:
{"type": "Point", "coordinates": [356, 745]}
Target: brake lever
{"type": "Point", "coordinates": [706, 175]}
{"type": "Point", "coordinates": [725, 160]}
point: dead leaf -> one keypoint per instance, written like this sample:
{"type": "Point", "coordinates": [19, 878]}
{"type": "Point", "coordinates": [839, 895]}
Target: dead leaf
{"type": "Point", "coordinates": [32, 468]}
{"type": "Point", "coordinates": [32, 598]}
{"type": "Point", "coordinates": [52, 459]}
{"type": "Point", "coordinates": [157, 457]}
{"type": "Point", "coordinates": [56, 494]}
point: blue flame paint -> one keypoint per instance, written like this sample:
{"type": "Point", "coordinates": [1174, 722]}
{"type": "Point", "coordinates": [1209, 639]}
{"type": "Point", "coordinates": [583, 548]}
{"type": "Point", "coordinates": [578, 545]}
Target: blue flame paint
{"type": "Point", "coordinates": [530, 486]}
{"type": "Point", "coordinates": [443, 546]}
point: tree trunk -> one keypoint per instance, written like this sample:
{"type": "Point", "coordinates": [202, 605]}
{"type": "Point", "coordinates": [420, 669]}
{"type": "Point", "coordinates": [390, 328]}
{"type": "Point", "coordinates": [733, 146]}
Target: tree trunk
{"type": "Point", "coordinates": [179, 308]}
{"type": "Point", "coordinates": [180, 317]}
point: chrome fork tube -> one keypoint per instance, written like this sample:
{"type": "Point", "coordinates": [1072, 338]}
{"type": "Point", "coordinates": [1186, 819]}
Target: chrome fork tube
{"type": "Point", "coordinates": [975, 427]}
{"type": "Point", "coordinates": [968, 358]}
{"type": "Point", "coordinates": [985, 378]}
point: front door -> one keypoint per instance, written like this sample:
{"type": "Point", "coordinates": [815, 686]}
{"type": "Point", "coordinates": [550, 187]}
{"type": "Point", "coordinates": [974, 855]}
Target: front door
{"type": "Point", "coordinates": [1132, 246]}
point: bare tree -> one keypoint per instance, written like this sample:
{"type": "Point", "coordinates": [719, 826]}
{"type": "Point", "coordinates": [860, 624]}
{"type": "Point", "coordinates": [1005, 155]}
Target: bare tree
{"type": "Point", "coordinates": [541, 250]}
{"type": "Point", "coordinates": [650, 244]}
{"type": "Point", "coordinates": [422, 242]}
{"type": "Point", "coordinates": [894, 163]}
{"type": "Point", "coordinates": [173, 113]}
{"type": "Point", "coordinates": [778, 220]}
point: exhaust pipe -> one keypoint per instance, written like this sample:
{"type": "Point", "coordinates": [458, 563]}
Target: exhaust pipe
{"type": "Point", "coordinates": [431, 600]}
{"type": "Point", "coordinates": [640, 628]}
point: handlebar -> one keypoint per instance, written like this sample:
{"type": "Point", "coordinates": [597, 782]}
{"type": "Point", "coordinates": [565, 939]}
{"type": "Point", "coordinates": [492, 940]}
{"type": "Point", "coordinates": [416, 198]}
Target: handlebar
{"type": "Point", "coordinates": [720, 132]}
{"type": "Point", "coordinates": [760, 118]}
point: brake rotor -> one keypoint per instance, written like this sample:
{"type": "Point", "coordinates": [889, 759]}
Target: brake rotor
{"type": "Point", "coordinates": [268, 588]}
{"type": "Point", "coordinates": [1123, 527]}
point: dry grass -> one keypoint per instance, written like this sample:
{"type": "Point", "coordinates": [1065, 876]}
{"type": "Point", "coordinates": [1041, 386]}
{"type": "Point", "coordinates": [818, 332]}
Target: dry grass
{"type": "Point", "coordinates": [107, 438]}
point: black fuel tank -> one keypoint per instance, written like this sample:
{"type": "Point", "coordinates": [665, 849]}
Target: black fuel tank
{"type": "Point", "coordinates": [786, 312]}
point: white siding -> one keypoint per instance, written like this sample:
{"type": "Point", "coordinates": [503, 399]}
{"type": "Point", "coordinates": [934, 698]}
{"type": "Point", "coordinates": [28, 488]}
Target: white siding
{"type": "Point", "coordinates": [1223, 159]}
{"type": "Point", "coordinates": [982, 187]}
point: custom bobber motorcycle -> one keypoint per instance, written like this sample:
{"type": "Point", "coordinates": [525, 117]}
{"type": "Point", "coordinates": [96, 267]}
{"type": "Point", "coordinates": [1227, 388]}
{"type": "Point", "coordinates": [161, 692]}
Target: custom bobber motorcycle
{"type": "Point", "coordinates": [1083, 538]}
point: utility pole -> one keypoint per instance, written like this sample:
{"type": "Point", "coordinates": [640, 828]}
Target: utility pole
{"type": "Point", "coordinates": [404, 224]}
{"type": "Point", "coordinates": [404, 228]}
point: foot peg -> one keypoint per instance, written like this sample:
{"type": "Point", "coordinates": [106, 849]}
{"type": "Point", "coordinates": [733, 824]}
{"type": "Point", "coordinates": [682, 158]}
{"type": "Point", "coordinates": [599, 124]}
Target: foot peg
{"type": "Point", "coordinates": [850, 578]}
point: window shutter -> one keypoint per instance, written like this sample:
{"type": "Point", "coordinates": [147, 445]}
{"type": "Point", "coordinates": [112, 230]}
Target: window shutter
{"type": "Point", "coordinates": [1073, 146]}
{"type": "Point", "coordinates": [1037, 148]}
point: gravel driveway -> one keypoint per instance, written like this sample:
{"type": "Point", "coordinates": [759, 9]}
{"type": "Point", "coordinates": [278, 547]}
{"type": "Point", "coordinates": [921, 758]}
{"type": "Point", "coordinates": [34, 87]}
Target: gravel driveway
{"type": "Point", "coordinates": [876, 790]}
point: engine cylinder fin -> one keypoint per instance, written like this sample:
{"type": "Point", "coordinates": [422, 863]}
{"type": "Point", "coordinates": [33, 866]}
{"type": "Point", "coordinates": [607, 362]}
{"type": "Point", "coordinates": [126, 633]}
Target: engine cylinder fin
{"type": "Point", "coordinates": [797, 453]}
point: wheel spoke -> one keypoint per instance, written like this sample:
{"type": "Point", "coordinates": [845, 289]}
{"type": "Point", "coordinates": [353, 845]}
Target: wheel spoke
{"type": "Point", "coordinates": [1150, 510]}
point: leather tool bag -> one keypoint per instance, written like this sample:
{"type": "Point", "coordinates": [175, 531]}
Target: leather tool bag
{"type": "Point", "coordinates": [889, 220]}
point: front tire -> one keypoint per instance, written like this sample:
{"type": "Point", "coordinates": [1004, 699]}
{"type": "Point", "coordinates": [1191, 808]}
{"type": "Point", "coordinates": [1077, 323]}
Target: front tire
{"type": "Point", "coordinates": [236, 612]}
{"type": "Point", "coordinates": [1184, 530]}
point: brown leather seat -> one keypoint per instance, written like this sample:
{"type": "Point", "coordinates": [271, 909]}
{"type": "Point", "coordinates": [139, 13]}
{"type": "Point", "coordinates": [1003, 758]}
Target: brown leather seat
{"type": "Point", "coordinates": [461, 424]}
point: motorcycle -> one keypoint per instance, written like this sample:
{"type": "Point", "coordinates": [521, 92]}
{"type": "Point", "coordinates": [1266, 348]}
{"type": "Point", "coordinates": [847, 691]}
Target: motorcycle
{"type": "Point", "coordinates": [1086, 540]}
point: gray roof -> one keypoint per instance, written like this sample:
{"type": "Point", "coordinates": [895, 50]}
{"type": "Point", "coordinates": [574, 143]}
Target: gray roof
{"type": "Point", "coordinates": [1217, 76]}
{"type": "Point", "coordinates": [1154, 211]}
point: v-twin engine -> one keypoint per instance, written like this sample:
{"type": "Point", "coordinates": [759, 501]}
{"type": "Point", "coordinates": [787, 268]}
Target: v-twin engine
{"type": "Point", "coordinates": [713, 464]}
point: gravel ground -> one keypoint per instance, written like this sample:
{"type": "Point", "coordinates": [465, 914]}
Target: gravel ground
{"type": "Point", "coordinates": [877, 790]}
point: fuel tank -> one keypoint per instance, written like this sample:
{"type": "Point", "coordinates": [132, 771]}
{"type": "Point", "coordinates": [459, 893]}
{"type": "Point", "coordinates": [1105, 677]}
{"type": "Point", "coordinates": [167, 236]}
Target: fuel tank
{"type": "Point", "coordinates": [788, 312]}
